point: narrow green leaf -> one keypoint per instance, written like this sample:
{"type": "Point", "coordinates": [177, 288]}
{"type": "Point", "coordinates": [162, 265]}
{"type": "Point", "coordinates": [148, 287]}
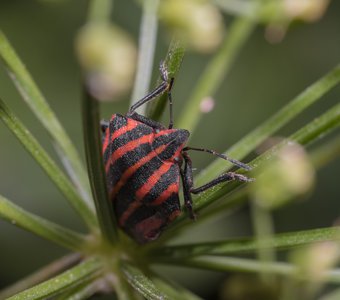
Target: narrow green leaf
{"type": "Point", "coordinates": [83, 291]}
{"type": "Point", "coordinates": [215, 72]}
{"type": "Point", "coordinates": [93, 147]}
{"type": "Point", "coordinates": [48, 271]}
{"type": "Point", "coordinates": [47, 164]}
{"type": "Point", "coordinates": [279, 242]}
{"type": "Point", "coordinates": [247, 144]}
{"type": "Point", "coordinates": [173, 61]}
{"type": "Point", "coordinates": [36, 101]}
{"type": "Point", "coordinates": [326, 153]}
{"type": "Point", "coordinates": [83, 272]}
{"type": "Point", "coordinates": [142, 284]}
{"type": "Point", "coordinates": [227, 264]}
{"type": "Point", "coordinates": [174, 290]}
{"type": "Point", "coordinates": [44, 228]}
{"type": "Point", "coordinates": [147, 45]}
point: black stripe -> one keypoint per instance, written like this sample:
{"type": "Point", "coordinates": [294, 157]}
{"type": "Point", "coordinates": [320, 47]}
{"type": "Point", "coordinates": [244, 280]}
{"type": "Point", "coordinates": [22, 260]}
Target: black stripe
{"type": "Point", "coordinates": [165, 209]}
{"type": "Point", "coordinates": [134, 134]}
{"type": "Point", "coordinates": [118, 167]}
{"type": "Point", "coordinates": [170, 177]}
{"type": "Point", "coordinates": [126, 195]}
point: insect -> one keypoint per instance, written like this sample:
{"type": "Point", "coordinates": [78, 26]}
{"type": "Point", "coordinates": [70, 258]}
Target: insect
{"type": "Point", "coordinates": [144, 162]}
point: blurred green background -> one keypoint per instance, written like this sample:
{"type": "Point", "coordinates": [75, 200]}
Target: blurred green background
{"type": "Point", "coordinates": [263, 79]}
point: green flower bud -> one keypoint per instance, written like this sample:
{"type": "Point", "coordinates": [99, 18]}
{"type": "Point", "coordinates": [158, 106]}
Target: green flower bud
{"type": "Point", "coordinates": [196, 22]}
{"type": "Point", "coordinates": [108, 56]}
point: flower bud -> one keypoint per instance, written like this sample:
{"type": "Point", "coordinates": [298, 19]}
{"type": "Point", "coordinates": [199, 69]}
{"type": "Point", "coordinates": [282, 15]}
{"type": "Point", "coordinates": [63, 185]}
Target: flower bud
{"type": "Point", "coordinates": [314, 260]}
{"type": "Point", "coordinates": [196, 22]}
{"type": "Point", "coordinates": [108, 56]}
{"type": "Point", "coordinates": [288, 175]}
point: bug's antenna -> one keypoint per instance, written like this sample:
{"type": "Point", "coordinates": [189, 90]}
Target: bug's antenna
{"type": "Point", "coordinates": [223, 156]}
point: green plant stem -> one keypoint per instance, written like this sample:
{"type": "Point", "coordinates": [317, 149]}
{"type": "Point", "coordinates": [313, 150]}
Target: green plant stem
{"type": "Point", "coordinates": [83, 291]}
{"type": "Point", "coordinates": [215, 72]}
{"type": "Point", "coordinates": [227, 264]}
{"type": "Point", "coordinates": [326, 153]}
{"type": "Point", "coordinates": [173, 61]}
{"type": "Point", "coordinates": [147, 45]}
{"type": "Point", "coordinates": [93, 147]}
{"type": "Point", "coordinates": [88, 270]}
{"type": "Point", "coordinates": [142, 284]}
{"type": "Point", "coordinates": [41, 227]}
{"type": "Point", "coordinates": [174, 290]}
{"type": "Point", "coordinates": [47, 164]}
{"type": "Point", "coordinates": [37, 103]}
{"type": "Point", "coordinates": [281, 241]}
{"type": "Point", "coordinates": [44, 273]}
{"type": "Point", "coordinates": [100, 10]}
{"type": "Point", "coordinates": [277, 121]}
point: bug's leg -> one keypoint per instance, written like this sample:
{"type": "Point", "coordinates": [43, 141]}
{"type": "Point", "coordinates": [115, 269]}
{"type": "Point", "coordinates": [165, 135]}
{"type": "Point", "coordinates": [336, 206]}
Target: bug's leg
{"type": "Point", "coordinates": [230, 176]}
{"type": "Point", "coordinates": [164, 87]}
{"type": "Point", "coordinates": [187, 179]}
{"type": "Point", "coordinates": [223, 156]}
{"type": "Point", "coordinates": [103, 125]}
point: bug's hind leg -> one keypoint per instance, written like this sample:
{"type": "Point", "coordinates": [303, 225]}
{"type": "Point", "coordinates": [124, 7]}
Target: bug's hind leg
{"type": "Point", "coordinates": [230, 176]}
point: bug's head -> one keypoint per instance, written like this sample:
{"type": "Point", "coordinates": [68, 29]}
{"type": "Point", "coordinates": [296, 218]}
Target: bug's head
{"type": "Point", "coordinates": [170, 143]}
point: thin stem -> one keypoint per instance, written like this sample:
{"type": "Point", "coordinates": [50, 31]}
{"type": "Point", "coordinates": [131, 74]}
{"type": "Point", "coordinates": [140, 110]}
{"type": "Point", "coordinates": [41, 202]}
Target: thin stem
{"type": "Point", "coordinates": [281, 241]}
{"type": "Point", "coordinates": [44, 273]}
{"type": "Point", "coordinates": [48, 165]}
{"type": "Point", "coordinates": [247, 144]}
{"type": "Point", "coordinates": [173, 61]}
{"type": "Point", "coordinates": [93, 147]}
{"type": "Point", "coordinates": [41, 227]}
{"type": "Point", "coordinates": [100, 10]}
{"type": "Point", "coordinates": [37, 103]}
{"type": "Point", "coordinates": [141, 283]}
{"type": "Point", "coordinates": [88, 270]}
{"type": "Point", "coordinates": [326, 153]}
{"type": "Point", "coordinates": [227, 264]}
{"type": "Point", "coordinates": [215, 72]}
{"type": "Point", "coordinates": [147, 45]}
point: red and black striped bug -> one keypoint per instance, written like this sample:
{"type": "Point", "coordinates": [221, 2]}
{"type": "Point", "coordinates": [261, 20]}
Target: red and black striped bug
{"type": "Point", "coordinates": [143, 163]}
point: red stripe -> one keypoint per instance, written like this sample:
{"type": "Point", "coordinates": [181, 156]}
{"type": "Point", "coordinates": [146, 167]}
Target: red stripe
{"type": "Point", "coordinates": [130, 146]}
{"type": "Point", "coordinates": [130, 171]}
{"type": "Point", "coordinates": [172, 189]}
{"type": "Point", "coordinates": [143, 191]}
{"type": "Point", "coordinates": [131, 124]}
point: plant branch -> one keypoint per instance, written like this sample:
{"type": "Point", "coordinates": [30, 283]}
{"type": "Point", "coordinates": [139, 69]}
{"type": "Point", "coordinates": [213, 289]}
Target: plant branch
{"type": "Point", "coordinates": [44, 273]}
{"type": "Point", "coordinates": [86, 271]}
{"type": "Point", "coordinates": [93, 147]}
{"type": "Point", "coordinates": [41, 227]}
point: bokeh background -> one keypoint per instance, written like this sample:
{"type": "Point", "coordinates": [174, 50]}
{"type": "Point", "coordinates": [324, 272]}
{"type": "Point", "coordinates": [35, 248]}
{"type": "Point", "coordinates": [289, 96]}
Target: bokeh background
{"type": "Point", "coordinates": [263, 78]}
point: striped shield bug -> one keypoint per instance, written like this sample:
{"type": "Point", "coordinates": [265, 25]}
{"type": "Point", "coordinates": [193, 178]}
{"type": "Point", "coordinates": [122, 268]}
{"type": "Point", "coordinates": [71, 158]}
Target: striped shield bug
{"type": "Point", "coordinates": [144, 162]}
